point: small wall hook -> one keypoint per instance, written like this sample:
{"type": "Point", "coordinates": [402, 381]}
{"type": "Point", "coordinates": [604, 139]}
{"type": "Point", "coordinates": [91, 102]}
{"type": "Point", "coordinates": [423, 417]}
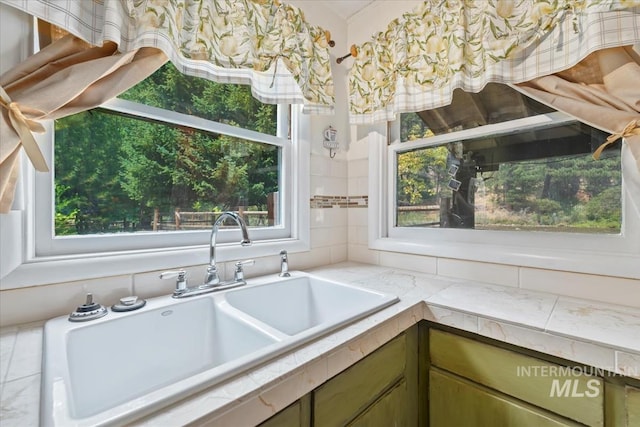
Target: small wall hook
{"type": "Point", "coordinates": [331, 140]}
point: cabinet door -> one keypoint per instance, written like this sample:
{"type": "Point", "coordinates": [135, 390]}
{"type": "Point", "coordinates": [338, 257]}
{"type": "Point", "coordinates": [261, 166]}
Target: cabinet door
{"type": "Point", "coordinates": [343, 397]}
{"type": "Point", "coordinates": [454, 401]}
{"type": "Point", "coordinates": [390, 410]}
{"type": "Point", "coordinates": [570, 393]}
{"type": "Point", "coordinates": [298, 414]}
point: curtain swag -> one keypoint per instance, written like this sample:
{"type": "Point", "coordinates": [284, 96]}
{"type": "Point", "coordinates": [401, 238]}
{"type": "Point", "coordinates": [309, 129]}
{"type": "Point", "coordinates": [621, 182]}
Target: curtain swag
{"type": "Point", "coordinates": [632, 129]}
{"type": "Point", "coordinates": [601, 90]}
{"type": "Point", "coordinates": [65, 78]}
{"type": "Point", "coordinates": [264, 43]}
{"type": "Point", "coordinates": [446, 44]}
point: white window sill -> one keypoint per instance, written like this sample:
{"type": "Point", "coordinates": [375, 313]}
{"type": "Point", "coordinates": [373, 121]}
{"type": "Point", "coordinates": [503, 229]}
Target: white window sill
{"type": "Point", "coordinates": [587, 262]}
{"type": "Point", "coordinates": [60, 269]}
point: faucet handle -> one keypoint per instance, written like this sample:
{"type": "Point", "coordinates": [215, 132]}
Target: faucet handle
{"type": "Point", "coordinates": [238, 276]}
{"type": "Point", "coordinates": [181, 281]}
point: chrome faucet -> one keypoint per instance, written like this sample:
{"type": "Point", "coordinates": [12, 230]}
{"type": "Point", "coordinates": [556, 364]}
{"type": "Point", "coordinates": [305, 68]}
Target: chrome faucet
{"type": "Point", "coordinates": [212, 281]}
{"type": "Point", "coordinates": [284, 264]}
{"type": "Point", "coordinates": [212, 278]}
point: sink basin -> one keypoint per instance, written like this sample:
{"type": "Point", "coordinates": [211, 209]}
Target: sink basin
{"type": "Point", "coordinates": [93, 372]}
{"type": "Point", "coordinates": [123, 366]}
{"type": "Point", "coordinates": [304, 303]}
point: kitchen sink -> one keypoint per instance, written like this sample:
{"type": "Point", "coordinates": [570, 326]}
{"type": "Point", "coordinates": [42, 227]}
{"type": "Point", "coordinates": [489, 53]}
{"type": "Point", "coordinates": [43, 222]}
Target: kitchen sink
{"type": "Point", "coordinates": [125, 365]}
{"type": "Point", "coordinates": [304, 303]}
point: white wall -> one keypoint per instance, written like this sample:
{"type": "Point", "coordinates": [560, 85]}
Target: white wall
{"type": "Point", "coordinates": [337, 233]}
{"type": "Point", "coordinates": [328, 225]}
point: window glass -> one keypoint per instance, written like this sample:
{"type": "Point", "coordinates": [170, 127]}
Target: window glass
{"type": "Point", "coordinates": [121, 172]}
{"type": "Point", "coordinates": [224, 103]}
{"type": "Point", "coordinates": [522, 177]}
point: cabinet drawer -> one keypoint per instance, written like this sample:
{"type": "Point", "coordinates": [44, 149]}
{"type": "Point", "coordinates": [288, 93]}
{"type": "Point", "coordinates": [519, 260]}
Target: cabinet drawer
{"type": "Point", "coordinates": [562, 390]}
{"type": "Point", "coordinates": [456, 402]}
{"type": "Point", "coordinates": [337, 401]}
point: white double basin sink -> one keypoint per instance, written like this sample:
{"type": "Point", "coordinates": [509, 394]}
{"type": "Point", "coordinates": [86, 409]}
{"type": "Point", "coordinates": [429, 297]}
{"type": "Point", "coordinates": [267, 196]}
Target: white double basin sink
{"type": "Point", "coordinates": [126, 365]}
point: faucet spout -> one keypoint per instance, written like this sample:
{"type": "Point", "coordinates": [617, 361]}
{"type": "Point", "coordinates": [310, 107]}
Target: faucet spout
{"type": "Point", "coordinates": [212, 277]}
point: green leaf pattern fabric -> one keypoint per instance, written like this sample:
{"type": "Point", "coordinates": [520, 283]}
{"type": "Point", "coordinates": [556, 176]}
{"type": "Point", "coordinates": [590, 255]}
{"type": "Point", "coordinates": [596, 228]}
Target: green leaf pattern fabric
{"type": "Point", "coordinates": [264, 43]}
{"type": "Point", "coordinates": [247, 34]}
{"type": "Point", "coordinates": [443, 44]}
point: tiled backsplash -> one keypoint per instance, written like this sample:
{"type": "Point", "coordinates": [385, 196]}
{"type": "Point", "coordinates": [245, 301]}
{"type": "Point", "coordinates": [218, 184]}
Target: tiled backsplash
{"type": "Point", "coordinates": [320, 202]}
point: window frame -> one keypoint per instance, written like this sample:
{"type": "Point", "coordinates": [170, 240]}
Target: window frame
{"type": "Point", "coordinates": [48, 244]}
{"type": "Point", "coordinates": [91, 258]}
{"type": "Point", "coordinates": [611, 255]}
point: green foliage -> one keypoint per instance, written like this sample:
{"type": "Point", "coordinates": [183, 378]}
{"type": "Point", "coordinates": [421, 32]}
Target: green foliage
{"type": "Point", "coordinates": [113, 171]}
{"type": "Point", "coordinates": [560, 193]}
{"type": "Point", "coordinates": [420, 174]}
{"type": "Point", "coordinates": [602, 206]}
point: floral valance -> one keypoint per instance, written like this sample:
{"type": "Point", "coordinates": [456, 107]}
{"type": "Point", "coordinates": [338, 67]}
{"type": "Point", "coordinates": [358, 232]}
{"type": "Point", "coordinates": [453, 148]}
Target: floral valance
{"type": "Point", "coordinates": [446, 44]}
{"type": "Point", "coordinates": [260, 42]}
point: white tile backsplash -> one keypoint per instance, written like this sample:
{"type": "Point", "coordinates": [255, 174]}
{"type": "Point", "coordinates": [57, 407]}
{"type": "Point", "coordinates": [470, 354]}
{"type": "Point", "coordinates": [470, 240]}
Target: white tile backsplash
{"type": "Point", "coordinates": [424, 264]}
{"type": "Point", "coordinates": [149, 285]}
{"type": "Point", "coordinates": [505, 275]}
{"type": "Point", "coordinates": [358, 186]}
{"type": "Point", "coordinates": [358, 217]}
{"type": "Point", "coordinates": [339, 253]}
{"type": "Point", "coordinates": [24, 305]}
{"type": "Point", "coordinates": [320, 166]}
{"type": "Point", "coordinates": [328, 186]}
{"type": "Point", "coordinates": [359, 253]}
{"type": "Point", "coordinates": [338, 168]}
{"type": "Point", "coordinates": [359, 168]}
{"type": "Point", "coordinates": [614, 290]}
{"type": "Point", "coordinates": [328, 236]}
{"type": "Point", "coordinates": [329, 217]}
{"type": "Point", "coordinates": [313, 258]}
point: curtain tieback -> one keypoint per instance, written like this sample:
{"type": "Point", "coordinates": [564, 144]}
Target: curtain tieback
{"type": "Point", "coordinates": [633, 128]}
{"type": "Point", "coordinates": [24, 128]}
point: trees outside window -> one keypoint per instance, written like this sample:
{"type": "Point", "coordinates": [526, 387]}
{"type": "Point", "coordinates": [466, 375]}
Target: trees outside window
{"type": "Point", "coordinates": [128, 171]}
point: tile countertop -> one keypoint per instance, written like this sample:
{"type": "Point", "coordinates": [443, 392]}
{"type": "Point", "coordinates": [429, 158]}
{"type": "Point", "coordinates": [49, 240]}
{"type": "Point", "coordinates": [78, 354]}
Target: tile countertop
{"type": "Point", "coordinates": [601, 335]}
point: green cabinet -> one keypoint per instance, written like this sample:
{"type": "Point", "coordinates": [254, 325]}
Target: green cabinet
{"type": "Point", "coordinates": [441, 377]}
{"type": "Point", "coordinates": [298, 414]}
{"type": "Point", "coordinates": [454, 401]}
{"type": "Point", "coordinates": [380, 390]}
{"type": "Point", "coordinates": [632, 406]}
{"type": "Point", "coordinates": [373, 383]}
{"type": "Point", "coordinates": [475, 381]}
{"type": "Point", "coordinates": [509, 387]}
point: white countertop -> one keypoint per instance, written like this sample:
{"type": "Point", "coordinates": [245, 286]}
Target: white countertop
{"type": "Point", "coordinates": [604, 336]}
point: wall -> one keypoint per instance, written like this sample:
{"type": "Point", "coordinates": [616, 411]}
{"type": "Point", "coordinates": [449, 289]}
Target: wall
{"type": "Point", "coordinates": [328, 213]}
{"type": "Point", "coordinates": [603, 288]}
{"type": "Point", "coordinates": [338, 217]}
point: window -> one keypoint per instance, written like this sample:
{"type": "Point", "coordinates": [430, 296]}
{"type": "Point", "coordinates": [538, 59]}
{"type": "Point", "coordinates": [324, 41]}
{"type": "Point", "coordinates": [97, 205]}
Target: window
{"type": "Point", "coordinates": [500, 170]}
{"type": "Point", "coordinates": [154, 168]}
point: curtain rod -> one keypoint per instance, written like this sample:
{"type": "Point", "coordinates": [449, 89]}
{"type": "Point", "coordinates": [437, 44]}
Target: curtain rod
{"type": "Point", "coordinates": [353, 51]}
